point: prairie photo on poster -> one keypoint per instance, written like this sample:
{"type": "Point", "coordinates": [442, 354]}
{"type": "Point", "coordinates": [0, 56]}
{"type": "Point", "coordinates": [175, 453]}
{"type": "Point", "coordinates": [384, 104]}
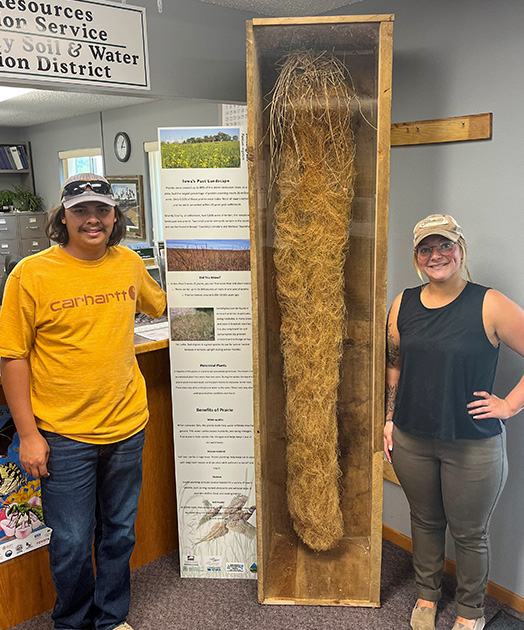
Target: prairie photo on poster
{"type": "Point", "coordinates": [192, 324]}
{"type": "Point", "coordinates": [208, 255]}
{"type": "Point", "coordinates": [200, 148]}
{"type": "Point", "coordinates": [128, 194]}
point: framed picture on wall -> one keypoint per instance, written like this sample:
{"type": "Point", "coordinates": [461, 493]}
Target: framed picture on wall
{"type": "Point", "coordinates": [129, 196]}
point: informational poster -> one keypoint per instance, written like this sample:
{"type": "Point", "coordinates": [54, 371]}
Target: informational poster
{"type": "Point", "coordinates": [78, 41]}
{"type": "Point", "coordinates": [22, 527]}
{"type": "Point", "coordinates": [206, 232]}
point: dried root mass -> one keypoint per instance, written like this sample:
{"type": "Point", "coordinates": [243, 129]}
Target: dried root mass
{"type": "Point", "coordinates": [312, 176]}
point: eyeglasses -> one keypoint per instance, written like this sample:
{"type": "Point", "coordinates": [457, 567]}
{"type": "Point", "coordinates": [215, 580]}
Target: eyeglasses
{"type": "Point", "coordinates": [74, 189]}
{"type": "Point", "coordinates": [425, 251]}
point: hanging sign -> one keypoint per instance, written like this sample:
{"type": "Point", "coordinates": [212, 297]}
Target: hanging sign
{"type": "Point", "coordinates": [77, 41]}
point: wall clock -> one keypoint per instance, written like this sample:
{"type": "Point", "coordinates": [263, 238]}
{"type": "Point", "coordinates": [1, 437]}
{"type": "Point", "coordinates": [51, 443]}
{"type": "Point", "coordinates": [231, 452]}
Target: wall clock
{"type": "Point", "coordinates": [122, 146]}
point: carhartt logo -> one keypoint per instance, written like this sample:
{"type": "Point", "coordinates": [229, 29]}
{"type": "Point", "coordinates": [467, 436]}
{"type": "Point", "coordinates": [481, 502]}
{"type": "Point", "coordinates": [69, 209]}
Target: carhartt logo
{"type": "Point", "coordinates": [90, 300]}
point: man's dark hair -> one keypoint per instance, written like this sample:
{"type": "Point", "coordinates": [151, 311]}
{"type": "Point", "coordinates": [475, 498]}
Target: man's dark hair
{"type": "Point", "coordinates": [57, 231]}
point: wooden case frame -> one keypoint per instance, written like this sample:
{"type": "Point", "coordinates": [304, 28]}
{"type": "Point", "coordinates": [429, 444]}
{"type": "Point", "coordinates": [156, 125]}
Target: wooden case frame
{"type": "Point", "coordinates": [288, 571]}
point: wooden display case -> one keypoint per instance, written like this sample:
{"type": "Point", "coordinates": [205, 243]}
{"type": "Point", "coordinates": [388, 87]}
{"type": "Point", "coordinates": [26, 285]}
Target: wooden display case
{"type": "Point", "coordinates": [290, 572]}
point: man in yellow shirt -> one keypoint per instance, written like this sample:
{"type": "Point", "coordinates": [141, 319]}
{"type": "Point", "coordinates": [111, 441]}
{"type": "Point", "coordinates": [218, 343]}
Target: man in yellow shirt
{"type": "Point", "coordinates": [78, 398]}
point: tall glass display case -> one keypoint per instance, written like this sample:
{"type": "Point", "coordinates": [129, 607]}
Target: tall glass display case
{"type": "Point", "coordinates": [347, 571]}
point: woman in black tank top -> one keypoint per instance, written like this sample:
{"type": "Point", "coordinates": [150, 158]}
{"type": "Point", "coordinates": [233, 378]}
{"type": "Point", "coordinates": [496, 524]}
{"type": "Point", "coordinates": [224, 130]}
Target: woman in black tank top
{"type": "Point", "coordinates": [444, 430]}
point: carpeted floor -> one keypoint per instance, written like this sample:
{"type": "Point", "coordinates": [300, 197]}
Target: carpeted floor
{"type": "Point", "coordinates": [162, 600]}
{"type": "Point", "coordinates": [504, 621]}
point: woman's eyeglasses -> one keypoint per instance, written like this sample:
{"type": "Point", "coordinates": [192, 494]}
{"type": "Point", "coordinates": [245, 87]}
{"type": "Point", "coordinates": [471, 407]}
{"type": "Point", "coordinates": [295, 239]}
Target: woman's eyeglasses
{"type": "Point", "coordinates": [77, 188]}
{"type": "Point", "coordinates": [425, 251]}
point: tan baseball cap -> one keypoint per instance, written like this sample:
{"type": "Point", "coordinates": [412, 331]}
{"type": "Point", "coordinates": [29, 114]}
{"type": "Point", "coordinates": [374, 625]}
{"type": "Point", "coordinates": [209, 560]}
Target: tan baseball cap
{"type": "Point", "coordinates": [441, 224]}
{"type": "Point", "coordinates": [86, 187]}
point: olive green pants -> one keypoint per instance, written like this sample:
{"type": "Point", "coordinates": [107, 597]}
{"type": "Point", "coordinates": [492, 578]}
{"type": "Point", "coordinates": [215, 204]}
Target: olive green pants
{"type": "Point", "coordinates": [455, 484]}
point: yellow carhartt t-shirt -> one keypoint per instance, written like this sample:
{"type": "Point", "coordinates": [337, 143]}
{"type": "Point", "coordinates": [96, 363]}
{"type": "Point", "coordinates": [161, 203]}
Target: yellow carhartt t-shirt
{"type": "Point", "coordinates": [74, 320]}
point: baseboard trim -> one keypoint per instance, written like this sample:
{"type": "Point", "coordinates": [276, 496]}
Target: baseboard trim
{"type": "Point", "coordinates": [501, 594]}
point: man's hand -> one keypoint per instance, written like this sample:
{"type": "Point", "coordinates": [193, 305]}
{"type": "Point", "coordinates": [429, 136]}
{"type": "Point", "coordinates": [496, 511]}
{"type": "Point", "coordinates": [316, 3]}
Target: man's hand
{"type": "Point", "coordinates": [34, 453]}
{"type": "Point", "coordinates": [34, 449]}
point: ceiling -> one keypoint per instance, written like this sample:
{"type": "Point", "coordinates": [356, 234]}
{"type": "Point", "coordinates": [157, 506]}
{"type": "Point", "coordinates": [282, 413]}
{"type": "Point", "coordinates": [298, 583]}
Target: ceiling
{"type": "Point", "coordinates": [281, 8]}
{"type": "Point", "coordinates": [43, 106]}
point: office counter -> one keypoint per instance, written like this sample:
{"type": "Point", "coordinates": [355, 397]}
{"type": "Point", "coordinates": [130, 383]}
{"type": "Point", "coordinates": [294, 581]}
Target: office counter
{"type": "Point", "coordinates": [26, 588]}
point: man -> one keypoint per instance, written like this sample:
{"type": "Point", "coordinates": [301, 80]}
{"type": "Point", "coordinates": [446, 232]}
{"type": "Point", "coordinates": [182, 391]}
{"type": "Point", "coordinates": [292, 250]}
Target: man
{"type": "Point", "coordinates": [77, 396]}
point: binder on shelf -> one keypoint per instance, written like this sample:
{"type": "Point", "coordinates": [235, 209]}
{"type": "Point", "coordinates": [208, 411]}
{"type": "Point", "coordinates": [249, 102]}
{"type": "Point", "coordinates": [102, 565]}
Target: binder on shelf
{"type": "Point", "coordinates": [23, 156]}
{"type": "Point", "coordinates": [4, 162]}
{"type": "Point", "coordinates": [9, 157]}
{"type": "Point", "coordinates": [16, 158]}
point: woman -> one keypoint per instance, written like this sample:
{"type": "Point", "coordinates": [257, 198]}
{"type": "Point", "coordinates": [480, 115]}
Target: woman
{"type": "Point", "coordinates": [443, 430]}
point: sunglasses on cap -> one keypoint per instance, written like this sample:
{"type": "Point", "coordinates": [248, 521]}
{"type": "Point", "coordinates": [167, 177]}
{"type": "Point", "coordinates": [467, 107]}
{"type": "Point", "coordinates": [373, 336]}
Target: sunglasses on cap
{"type": "Point", "coordinates": [74, 189]}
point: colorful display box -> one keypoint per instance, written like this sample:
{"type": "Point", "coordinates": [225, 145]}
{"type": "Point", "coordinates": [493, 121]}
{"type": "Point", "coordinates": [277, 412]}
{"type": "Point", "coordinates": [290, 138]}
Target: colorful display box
{"type": "Point", "coordinates": [22, 527]}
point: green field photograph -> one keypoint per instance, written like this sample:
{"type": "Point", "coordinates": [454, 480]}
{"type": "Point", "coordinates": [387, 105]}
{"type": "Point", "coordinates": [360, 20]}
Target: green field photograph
{"type": "Point", "coordinates": [200, 148]}
{"type": "Point", "coordinates": [192, 324]}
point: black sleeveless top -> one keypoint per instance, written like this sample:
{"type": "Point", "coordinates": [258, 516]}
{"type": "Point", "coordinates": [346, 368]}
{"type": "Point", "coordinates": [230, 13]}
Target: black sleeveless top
{"type": "Point", "coordinates": [445, 357]}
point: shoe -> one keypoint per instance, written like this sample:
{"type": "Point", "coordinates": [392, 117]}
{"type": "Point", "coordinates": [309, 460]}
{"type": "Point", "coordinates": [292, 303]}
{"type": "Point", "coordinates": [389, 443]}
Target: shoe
{"type": "Point", "coordinates": [479, 624]}
{"type": "Point", "coordinates": [124, 626]}
{"type": "Point", "coordinates": [423, 618]}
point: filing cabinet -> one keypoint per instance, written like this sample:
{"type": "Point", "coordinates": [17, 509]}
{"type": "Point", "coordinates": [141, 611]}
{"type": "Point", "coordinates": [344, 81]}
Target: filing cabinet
{"type": "Point", "coordinates": [22, 233]}
{"type": "Point", "coordinates": [8, 227]}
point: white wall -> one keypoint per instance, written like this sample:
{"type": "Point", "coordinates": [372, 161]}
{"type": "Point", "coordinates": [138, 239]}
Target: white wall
{"type": "Point", "coordinates": [197, 49]}
{"type": "Point", "coordinates": [12, 134]}
{"type": "Point", "coordinates": [450, 59]}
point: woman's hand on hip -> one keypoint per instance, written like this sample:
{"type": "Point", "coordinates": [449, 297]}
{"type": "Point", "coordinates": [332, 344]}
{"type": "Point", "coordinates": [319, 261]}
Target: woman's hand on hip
{"type": "Point", "coordinates": [388, 439]}
{"type": "Point", "coordinates": [489, 406]}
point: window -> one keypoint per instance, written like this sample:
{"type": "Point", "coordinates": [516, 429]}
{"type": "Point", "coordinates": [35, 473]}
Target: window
{"type": "Point", "coordinates": [80, 161]}
{"type": "Point", "coordinates": [153, 154]}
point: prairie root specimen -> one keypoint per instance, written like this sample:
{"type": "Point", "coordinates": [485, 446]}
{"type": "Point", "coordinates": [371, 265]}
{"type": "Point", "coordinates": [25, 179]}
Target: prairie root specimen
{"type": "Point", "coordinates": [313, 173]}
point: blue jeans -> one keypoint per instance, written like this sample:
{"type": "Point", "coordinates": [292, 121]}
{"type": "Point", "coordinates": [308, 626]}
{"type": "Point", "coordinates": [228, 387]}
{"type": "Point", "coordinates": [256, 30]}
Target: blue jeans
{"type": "Point", "coordinates": [91, 495]}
